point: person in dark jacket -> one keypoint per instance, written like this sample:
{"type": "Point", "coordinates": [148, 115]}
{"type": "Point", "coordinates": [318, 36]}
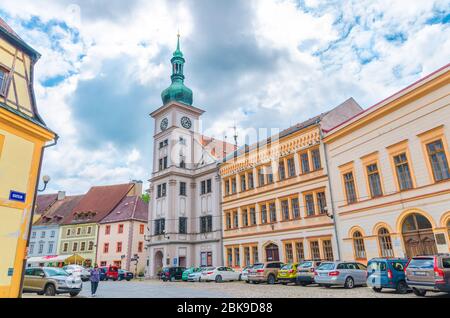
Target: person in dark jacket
{"type": "Point", "coordinates": [95, 279]}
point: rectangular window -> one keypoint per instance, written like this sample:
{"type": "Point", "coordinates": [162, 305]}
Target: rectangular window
{"type": "Point", "coordinates": [160, 226]}
{"type": "Point", "coordinates": [203, 187]}
{"type": "Point", "coordinates": [327, 250]}
{"type": "Point", "coordinates": [41, 248]}
{"type": "Point", "coordinates": [206, 224]}
{"type": "Point", "coordinates": [251, 183]}
{"type": "Point", "coordinates": [233, 185]}
{"type": "Point", "coordinates": [304, 160]}
{"type": "Point", "coordinates": [78, 230]}
{"type": "Point", "coordinates": [50, 248]}
{"type": "Point", "coordinates": [289, 256]}
{"type": "Point", "coordinates": [235, 220]}
{"type": "Point", "coordinates": [229, 257]}
{"type": "Point", "coordinates": [291, 167]}
{"type": "Point", "coordinates": [33, 235]}
{"type": "Point", "coordinates": [252, 216]}
{"type": "Point", "coordinates": [374, 180]}
{"type": "Point", "coordinates": [261, 177]}
{"type": "Point", "coordinates": [208, 186]}
{"type": "Point", "coordinates": [315, 156]}
{"type": "Point", "coordinates": [119, 247]}
{"type": "Point", "coordinates": [182, 225]}
{"type": "Point", "coordinates": [43, 234]}
{"type": "Point", "coordinates": [65, 247]}
{"type": "Point", "coordinates": [3, 78]}
{"type": "Point", "coordinates": [75, 247]}
{"type": "Point", "coordinates": [263, 214]}
{"type": "Point", "coordinates": [68, 232]}
{"type": "Point", "coordinates": [299, 251]}
{"type": "Point", "coordinates": [161, 190]}
{"type": "Point", "coordinates": [438, 160]}
{"type": "Point", "coordinates": [82, 246]}
{"type": "Point", "coordinates": [205, 259]}
{"type": "Point", "coordinates": [295, 208]}
{"type": "Point", "coordinates": [183, 188]}
{"type": "Point", "coordinates": [52, 234]}
{"type": "Point", "coordinates": [246, 256]}
{"type": "Point", "coordinates": [91, 246]}
{"type": "Point", "coordinates": [403, 172]}
{"type": "Point", "coordinates": [321, 202]}
{"type": "Point", "coordinates": [244, 217]}
{"type": "Point", "coordinates": [237, 261]}
{"type": "Point", "coordinates": [120, 229]}
{"type": "Point", "coordinates": [255, 254]}
{"type": "Point", "coordinates": [269, 175]}
{"type": "Point", "coordinates": [89, 230]}
{"type": "Point", "coordinates": [227, 187]}
{"type": "Point", "coordinates": [285, 210]}
{"type": "Point", "coordinates": [309, 202]}
{"type": "Point", "coordinates": [315, 250]}
{"type": "Point", "coordinates": [243, 183]}
{"type": "Point", "coordinates": [281, 170]}
{"type": "Point", "coordinates": [107, 229]}
{"type": "Point", "coordinates": [140, 247]}
{"type": "Point", "coordinates": [106, 248]}
{"type": "Point", "coordinates": [228, 220]}
{"type": "Point", "coordinates": [141, 229]}
{"type": "Point", "coordinates": [273, 212]}
{"type": "Point", "coordinates": [350, 189]}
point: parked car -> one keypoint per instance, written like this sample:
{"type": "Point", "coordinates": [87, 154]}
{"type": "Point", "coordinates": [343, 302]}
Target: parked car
{"type": "Point", "coordinates": [244, 273]}
{"type": "Point", "coordinates": [51, 281]}
{"type": "Point", "coordinates": [220, 274]}
{"type": "Point", "coordinates": [109, 272]}
{"type": "Point", "coordinates": [172, 273]}
{"type": "Point", "coordinates": [125, 275]}
{"type": "Point", "coordinates": [347, 274]}
{"type": "Point", "coordinates": [429, 273]}
{"type": "Point", "coordinates": [387, 273]}
{"type": "Point", "coordinates": [197, 276]}
{"type": "Point", "coordinates": [288, 274]}
{"type": "Point", "coordinates": [78, 270]}
{"type": "Point", "coordinates": [305, 272]}
{"type": "Point", "coordinates": [188, 271]}
{"type": "Point", "coordinates": [264, 272]}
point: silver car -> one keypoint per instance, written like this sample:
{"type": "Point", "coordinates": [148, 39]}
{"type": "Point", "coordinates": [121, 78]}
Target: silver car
{"type": "Point", "coordinates": [197, 276]}
{"type": "Point", "coordinates": [347, 274]}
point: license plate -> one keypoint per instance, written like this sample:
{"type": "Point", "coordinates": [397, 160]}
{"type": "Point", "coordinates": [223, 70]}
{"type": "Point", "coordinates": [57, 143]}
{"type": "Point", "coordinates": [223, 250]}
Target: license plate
{"type": "Point", "coordinates": [419, 273]}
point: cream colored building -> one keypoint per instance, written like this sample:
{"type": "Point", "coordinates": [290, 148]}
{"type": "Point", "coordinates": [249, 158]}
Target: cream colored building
{"type": "Point", "coordinates": [390, 176]}
{"type": "Point", "coordinates": [275, 196]}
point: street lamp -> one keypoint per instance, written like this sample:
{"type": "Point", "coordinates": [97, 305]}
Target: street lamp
{"type": "Point", "coordinates": [46, 180]}
{"type": "Point", "coordinates": [331, 216]}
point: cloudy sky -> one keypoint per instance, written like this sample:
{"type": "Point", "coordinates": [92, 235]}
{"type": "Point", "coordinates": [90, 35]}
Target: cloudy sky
{"type": "Point", "coordinates": [259, 63]}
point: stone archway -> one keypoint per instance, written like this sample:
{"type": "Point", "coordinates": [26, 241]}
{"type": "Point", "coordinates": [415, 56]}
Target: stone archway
{"type": "Point", "coordinates": [272, 252]}
{"type": "Point", "coordinates": [418, 236]}
{"type": "Point", "coordinates": [158, 262]}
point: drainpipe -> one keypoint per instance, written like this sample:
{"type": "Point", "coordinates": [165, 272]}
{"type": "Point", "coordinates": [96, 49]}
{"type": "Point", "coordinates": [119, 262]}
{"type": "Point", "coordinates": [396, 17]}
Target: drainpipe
{"type": "Point", "coordinates": [55, 141]}
{"type": "Point", "coordinates": [221, 260]}
{"type": "Point", "coordinates": [333, 207]}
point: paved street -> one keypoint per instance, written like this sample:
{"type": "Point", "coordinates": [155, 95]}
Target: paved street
{"type": "Point", "coordinates": [158, 289]}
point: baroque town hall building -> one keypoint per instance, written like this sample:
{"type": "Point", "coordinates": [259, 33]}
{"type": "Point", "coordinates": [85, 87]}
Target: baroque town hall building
{"type": "Point", "coordinates": [185, 216]}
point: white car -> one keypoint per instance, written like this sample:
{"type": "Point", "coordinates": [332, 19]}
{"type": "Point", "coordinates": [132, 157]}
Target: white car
{"type": "Point", "coordinates": [220, 274]}
{"type": "Point", "coordinates": [78, 271]}
{"type": "Point", "coordinates": [244, 273]}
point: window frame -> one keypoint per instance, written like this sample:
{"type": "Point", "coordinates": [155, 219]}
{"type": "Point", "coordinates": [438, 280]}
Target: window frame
{"type": "Point", "coordinates": [368, 160]}
{"type": "Point", "coordinates": [4, 84]}
{"type": "Point", "coordinates": [344, 170]}
{"type": "Point", "coordinates": [429, 137]}
{"type": "Point", "coordinates": [395, 150]}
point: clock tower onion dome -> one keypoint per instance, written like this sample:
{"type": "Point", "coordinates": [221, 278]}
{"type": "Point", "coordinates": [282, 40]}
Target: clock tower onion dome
{"type": "Point", "coordinates": [177, 91]}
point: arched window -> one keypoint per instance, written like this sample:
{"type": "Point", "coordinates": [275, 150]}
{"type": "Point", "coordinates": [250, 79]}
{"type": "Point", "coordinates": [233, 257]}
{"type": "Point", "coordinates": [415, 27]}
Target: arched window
{"type": "Point", "coordinates": [384, 239]}
{"type": "Point", "coordinates": [358, 245]}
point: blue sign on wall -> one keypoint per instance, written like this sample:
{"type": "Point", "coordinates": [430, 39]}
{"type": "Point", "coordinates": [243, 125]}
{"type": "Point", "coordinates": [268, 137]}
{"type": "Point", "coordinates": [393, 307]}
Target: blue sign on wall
{"type": "Point", "coordinates": [175, 261]}
{"type": "Point", "coordinates": [17, 196]}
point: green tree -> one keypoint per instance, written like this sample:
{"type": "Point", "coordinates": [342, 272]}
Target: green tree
{"type": "Point", "coordinates": [145, 197]}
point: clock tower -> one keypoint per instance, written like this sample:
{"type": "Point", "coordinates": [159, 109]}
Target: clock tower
{"type": "Point", "coordinates": [185, 216]}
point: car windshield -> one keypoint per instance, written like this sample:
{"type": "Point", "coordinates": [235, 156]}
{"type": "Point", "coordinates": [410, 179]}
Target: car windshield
{"type": "Point", "coordinates": [376, 266]}
{"type": "Point", "coordinates": [305, 265]}
{"type": "Point", "coordinates": [258, 266]}
{"type": "Point", "coordinates": [326, 266]}
{"type": "Point", "coordinates": [422, 263]}
{"type": "Point", "coordinates": [55, 272]}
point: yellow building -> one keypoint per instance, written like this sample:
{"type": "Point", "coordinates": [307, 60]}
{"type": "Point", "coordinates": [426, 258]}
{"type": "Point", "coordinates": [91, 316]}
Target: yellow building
{"type": "Point", "coordinates": [275, 194]}
{"type": "Point", "coordinates": [23, 135]}
{"type": "Point", "coordinates": [390, 175]}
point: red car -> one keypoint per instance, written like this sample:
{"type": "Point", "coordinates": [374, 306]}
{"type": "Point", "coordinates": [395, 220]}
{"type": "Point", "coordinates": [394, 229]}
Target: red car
{"type": "Point", "coordinates": [109, 272]}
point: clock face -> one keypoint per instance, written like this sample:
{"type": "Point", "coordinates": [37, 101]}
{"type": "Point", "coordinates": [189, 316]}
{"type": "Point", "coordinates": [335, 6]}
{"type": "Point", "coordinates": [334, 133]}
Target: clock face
{"type": "Point", "coordinates": [164, 124]}
{"type": "Point", "coordinates": [186, 122]}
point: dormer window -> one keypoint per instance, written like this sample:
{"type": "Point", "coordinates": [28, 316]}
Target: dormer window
{"type": "Point", "coordinates": [3, 80]}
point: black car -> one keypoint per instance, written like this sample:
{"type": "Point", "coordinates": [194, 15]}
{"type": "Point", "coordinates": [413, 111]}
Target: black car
{"type": "Point", "coordinates": [172, 273]}
{"type": "Point", "coordinates": [125, 275]}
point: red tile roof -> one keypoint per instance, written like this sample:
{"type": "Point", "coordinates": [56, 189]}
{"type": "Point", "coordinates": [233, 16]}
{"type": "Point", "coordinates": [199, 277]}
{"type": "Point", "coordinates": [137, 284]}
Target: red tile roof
{"type": "Point", "coordinates": [44, 202]}
{"type": "Point", "coordinates": [59, 210]}
{"type": "Point", "coordinates": [130, 208]}
{"type": "Point", "coordinates": [217, 148]}
{"type": "Point", "coordinates": [97, 204]}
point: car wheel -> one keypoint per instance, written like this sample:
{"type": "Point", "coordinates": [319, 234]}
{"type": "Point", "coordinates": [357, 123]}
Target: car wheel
{"type": "Point", "coordinates": [271, 280]}
{"type": "Point", "coordinates": [377, 289]}
{"type": "Point", "coordinates": [74, 294]}
{"type": "Point", "coordinates": [218, 279]}
{"type": "Point", "coordinates": [349, 283]}
{"type": "Point", "coordinates": [402, 287]}
{"type": "Point", "coordinates": [128, 279]}
{"type": "Point", "coordinates": [172, 279]}
{"type": "Point", "coordinates": [303, 284]}
{"type": "Point", "coordinates": [40, 293]}
{"type": "Point", "coordinates": [50, 290]}
{"type": "Point", "coordinates": [284, 284]}
{"type": "Point", "coordinates": [248, 282]}
{"type": "Point", "coordinates": [327, 286]}
{"type": "Point", "coordinates": [419, 292]}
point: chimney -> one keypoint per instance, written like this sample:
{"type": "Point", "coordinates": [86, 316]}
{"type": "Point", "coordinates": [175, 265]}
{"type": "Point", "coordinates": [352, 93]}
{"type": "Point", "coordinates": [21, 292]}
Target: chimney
{"type": "Point", "coordinates": [138, 184]}
{"type": "Point", "coordinates": [61, 195]}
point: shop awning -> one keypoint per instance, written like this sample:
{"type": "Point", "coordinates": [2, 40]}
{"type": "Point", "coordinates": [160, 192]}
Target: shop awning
{"type": "Point", "coordinates": [68, 259]}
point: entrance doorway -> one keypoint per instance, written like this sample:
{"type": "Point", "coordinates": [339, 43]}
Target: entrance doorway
{"type": "Point", "coordinates": [158, 262]}
{"type": "Point", "coordinates": [182, 261]}
{"type": "Point", "coordinates": [272, 253]}
{"type": "Point", "coordinates": [418, 236]}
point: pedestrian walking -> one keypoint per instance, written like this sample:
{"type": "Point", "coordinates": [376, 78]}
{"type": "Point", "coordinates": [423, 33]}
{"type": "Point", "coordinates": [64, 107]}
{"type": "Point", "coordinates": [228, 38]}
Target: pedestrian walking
{"type": "Point", "coordinates": [95, 279]}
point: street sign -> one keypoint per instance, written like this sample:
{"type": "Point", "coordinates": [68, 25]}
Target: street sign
{"type": "Point", "coordinates": [17, 196]}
